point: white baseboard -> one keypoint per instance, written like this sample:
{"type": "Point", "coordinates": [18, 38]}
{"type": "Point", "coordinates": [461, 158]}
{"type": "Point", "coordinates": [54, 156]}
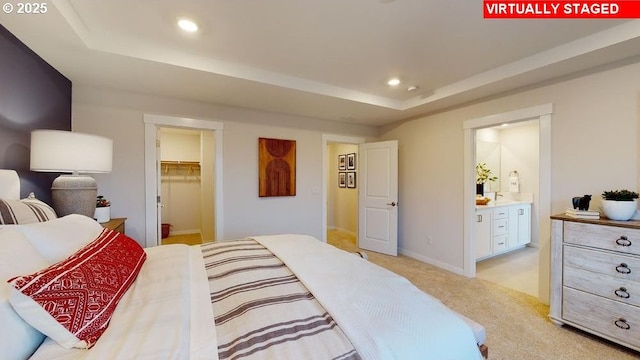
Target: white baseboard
{"type": "Point", "coordinates": [428, 260]}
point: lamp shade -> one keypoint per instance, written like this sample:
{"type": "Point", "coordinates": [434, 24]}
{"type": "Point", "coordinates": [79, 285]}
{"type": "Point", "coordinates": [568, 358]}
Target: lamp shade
{"type": "Point", "coordinates": [68, 151]}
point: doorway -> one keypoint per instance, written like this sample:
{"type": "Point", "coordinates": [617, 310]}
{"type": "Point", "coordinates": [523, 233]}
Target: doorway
{"type": "Point", "coordinates": [511, 152]}
{"type": "Point", "coordinates": [542, 212]}
{"type": "Point", "coordinates": [342, 195]}
{"type": "Point", "coordinates": [330, 169]}
{"type": "Point", "coordinates": [186, 182]}
{"type": "Point", "coordinates": [153, 185]}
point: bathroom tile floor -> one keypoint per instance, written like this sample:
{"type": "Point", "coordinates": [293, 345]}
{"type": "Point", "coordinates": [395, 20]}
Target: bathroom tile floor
{"type": "Point", "coordinates": [517, 270]}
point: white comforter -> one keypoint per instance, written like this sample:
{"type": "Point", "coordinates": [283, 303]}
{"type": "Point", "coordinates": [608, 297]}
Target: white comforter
{"type": "Point", "coordinates": [383, 314]}
{"type": "Point", "coordinates": [166, 314]}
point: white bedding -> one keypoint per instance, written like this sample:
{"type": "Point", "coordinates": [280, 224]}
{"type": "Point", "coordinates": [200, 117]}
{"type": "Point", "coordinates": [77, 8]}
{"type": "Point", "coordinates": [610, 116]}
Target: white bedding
{"type": "Point", "coordinates": [166, 314]}
{"type": "Point", "coordinates": [384, 315]}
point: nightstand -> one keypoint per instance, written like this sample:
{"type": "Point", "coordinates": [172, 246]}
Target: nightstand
{"type": "Point", "coordinates": [116, 224]}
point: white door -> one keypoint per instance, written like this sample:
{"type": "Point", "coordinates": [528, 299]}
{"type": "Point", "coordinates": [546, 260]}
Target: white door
{"type": "Point", "coordinates": [378, 197]}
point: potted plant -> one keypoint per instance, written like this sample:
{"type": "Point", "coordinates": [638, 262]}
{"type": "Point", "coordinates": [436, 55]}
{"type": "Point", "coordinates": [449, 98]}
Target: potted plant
{"type": "Point", "coordinates": [619, 204]}
{"type": "Point", "coordinates": [483, 174]}
{"type": "Point", "coordinates": [103, 209]}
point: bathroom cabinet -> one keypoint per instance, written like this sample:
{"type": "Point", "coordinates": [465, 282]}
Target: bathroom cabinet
{"type": "Point", "coordinates": [502, 228]}
{"type": "Point", "coordinates": [483, 233]}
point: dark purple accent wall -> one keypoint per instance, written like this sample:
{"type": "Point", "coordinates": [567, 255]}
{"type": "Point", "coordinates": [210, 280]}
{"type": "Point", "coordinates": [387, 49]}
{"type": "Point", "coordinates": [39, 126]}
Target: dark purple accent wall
{"type": "Point", "coordinates": [33, 95]}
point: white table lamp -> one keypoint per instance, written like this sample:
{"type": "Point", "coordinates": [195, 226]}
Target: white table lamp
{"type": "Point", "coordinates": [67, 151]}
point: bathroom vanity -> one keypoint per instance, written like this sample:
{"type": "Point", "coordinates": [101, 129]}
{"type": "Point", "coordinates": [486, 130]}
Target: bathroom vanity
{"type": "Point", "coordinates": [502, 227]}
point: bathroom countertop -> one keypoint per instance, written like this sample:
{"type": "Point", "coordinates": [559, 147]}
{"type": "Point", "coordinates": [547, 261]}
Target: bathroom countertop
{"type": "Point", "coordinates": [500, 203]}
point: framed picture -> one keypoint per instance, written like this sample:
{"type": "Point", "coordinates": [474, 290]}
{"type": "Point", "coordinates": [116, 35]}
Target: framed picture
{"type": "Point", "coordinates": [342, 162]}
{"type": "Point", "coordinates": [351, 161]}
{"type": "Point", "coordinates": [351, 180]}
{"type": "Point", "coordinates": [276, 167]}
{"type": "Point", "coordinates": [342, 179]}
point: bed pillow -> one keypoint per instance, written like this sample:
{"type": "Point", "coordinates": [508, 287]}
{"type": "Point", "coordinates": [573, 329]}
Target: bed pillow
{"type": "Point", "coordinates": [58, 239]}
{"type": "Point", "coordinates": [72, 301]}
{"type": "Point", "coordinates": [25, 211]}
{"type": "Point", "coordinates": [17, 256]}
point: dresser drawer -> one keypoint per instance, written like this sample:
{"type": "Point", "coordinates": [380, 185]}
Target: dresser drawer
{"type": "Point", "coordinates": [610, 318]}
{"type": "Point", "coordinates": [615, 265]}
{"type": "Point", "coordinates": [500, 226]}
{"type": "Point", "coordinates": [613, 238]}
{"type": "Point", "coordinates": [627, 292]}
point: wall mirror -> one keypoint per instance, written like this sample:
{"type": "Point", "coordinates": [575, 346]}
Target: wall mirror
{"type": "Point", "coordinates": [489, 153]}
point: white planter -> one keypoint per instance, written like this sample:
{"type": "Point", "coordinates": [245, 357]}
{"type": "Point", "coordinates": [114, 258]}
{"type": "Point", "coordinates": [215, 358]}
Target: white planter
{"type": "Point", "coordinates": [619, 210]}
{"type": "Point", "coordinates": [102, 214]}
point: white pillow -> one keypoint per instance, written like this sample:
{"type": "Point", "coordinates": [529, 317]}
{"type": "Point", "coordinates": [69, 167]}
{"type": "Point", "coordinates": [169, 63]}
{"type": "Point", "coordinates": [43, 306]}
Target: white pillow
{"type": "Point", "coordinates": [72, 301]}
{"type": "Point", "coordinates": [58, 239]}
{"type": "Point", "coordinates": [25, 211]}
{"type": "Point", "coordinates": [18, 339]}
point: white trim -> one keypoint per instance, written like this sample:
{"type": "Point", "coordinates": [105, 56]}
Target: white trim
{"type": "Point", "coordinates": [326, 139]}
{"type": "Point", "coordinates": [543, 114]}
{"type": "Point", "coordinates": [511, 116]}
{"type": "Point", "coordinates": [151, 124]}
{"type": "Point", "coordinates": [544, 210]}
{"type": "Point", "coordinates": [430, 261]}
{"type": "Point", "coordinates": [468, 230]}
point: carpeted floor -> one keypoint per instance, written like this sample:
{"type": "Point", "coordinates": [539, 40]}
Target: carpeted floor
{"type": "Point", "coordinates": [518, 327]}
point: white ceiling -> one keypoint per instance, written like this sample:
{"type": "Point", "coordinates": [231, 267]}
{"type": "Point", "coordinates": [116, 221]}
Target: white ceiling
{"type": "Point", "coordinates": [327, 59]}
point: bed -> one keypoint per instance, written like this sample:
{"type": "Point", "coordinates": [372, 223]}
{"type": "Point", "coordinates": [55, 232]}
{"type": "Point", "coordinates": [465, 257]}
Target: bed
{"type": "Point", "coordinates": [263, 297]}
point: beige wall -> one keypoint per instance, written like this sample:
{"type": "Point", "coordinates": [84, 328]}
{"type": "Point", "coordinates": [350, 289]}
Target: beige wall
{"type": "Point", "coordinates": [594, 132]}
{"type": "Point", "coordinates": [119, 115]}
{"type": "Point", "coordinates": [342, 204]}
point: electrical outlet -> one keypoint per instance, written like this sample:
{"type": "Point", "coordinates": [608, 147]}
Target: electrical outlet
{"type": "Point", "coordinates": [428, 240]}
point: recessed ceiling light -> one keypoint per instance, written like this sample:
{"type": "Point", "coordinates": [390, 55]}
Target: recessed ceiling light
{"type": "Point", "coordinates": [188, 25]}
{"type": "Point", "coordinates": [504, 125]}
{"type": "Point", "coordinates": [394, 82]}
{"type": "Point", "coordinates": [412, 88]}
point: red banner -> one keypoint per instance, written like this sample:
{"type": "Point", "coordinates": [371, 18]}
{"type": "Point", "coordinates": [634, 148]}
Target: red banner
{"type": "Point", "coordinates": [625, 9]}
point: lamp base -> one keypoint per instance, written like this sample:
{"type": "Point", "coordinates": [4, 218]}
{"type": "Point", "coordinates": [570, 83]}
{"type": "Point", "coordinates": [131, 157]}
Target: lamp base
{"type": "Point", "coordinates": [74, 194]}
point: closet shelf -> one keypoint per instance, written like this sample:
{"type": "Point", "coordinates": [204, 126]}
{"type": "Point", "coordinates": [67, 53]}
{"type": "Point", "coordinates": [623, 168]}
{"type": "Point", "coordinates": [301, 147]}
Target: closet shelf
{"type": "Point", "coordinates": [190, 165]}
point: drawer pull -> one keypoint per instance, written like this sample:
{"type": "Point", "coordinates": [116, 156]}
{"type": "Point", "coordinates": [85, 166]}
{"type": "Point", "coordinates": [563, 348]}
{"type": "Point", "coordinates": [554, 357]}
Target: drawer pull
{"type": "Point", "coordinates": [623, 241]}
{"type": "Point", "coordinates": [622, 293]}
{"type": "Point", "coordinates": [623, 269]}
{"type": "Point", "coordinates": [622, 324]}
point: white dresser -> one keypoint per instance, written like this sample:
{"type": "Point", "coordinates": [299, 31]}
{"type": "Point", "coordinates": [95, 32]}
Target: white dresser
{"type": "Point", "coordinates": [595, 277]}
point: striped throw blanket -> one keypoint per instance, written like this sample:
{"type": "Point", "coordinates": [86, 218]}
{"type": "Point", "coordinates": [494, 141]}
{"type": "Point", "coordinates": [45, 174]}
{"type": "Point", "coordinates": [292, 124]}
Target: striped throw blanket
{"type": "Point", "coordinates": [262, 311]}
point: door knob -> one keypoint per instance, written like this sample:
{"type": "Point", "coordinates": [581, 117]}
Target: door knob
{"type": "Point", "coordinates": [393, 203]}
